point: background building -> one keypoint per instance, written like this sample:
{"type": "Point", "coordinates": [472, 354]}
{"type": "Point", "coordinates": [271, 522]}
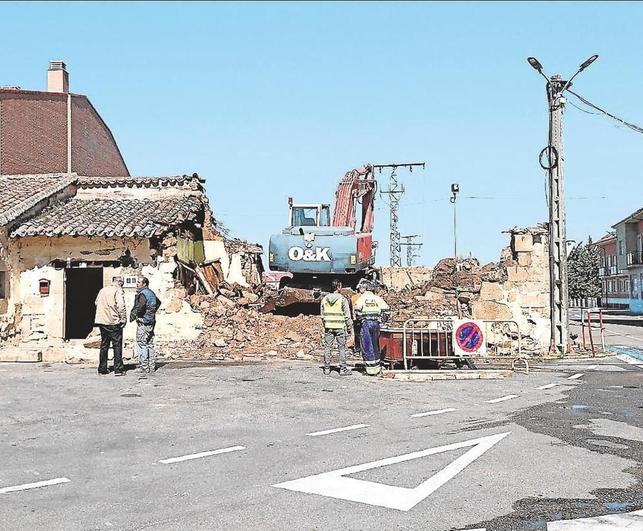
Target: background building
{"type": "Point", "coordinates": [55, 131]}
{"type": "Point", "coordinates": [614, 284]}
{"type": "Point", "coordinates": [621, 270]}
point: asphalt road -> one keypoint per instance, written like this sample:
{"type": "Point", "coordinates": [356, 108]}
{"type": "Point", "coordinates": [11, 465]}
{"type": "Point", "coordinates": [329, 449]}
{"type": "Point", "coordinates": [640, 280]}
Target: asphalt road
{"type": "Point", "coordinates": [251, 447]}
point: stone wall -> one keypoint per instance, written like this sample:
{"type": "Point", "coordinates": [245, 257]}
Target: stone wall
{"type": "Point", "coordinates": [524, 296]}
{"type": "Point", "coordinates": [514, 289]}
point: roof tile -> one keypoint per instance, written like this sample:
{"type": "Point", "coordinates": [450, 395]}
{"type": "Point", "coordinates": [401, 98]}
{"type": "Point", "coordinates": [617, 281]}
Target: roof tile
{"type": "Point", "coordinates": [22, 192]}
{"type": "Point", "coordinates": [112, 217]}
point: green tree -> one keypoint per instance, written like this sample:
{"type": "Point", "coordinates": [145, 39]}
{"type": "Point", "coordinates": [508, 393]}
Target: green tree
{"type": "Point", "coordinates": [582, 270]}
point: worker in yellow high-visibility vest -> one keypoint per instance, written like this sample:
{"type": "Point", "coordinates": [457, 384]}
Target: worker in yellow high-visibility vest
{"type": "Point", "coordinates": [370, 309]}
{"type": "Point", "coordinates": [337, 319]}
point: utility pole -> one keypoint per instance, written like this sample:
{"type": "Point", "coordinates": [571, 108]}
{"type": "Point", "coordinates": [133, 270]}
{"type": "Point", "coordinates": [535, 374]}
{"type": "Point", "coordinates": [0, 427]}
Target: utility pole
{"type": "Point", "coordinates": [395, 192]}
{"type": "Point", "coordinates": [410, 245]}
{"type": "Point", "coordinates": [455, 190]}
{"type": "Point", "coordinates": [559, 302]}
{"type": "Point", "coordinates": [552, 154]}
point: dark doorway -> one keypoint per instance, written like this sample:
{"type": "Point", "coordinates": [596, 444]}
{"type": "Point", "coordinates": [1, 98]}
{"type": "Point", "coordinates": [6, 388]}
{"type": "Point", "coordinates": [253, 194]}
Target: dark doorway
{"type": "Point", "coordinates": [81, 289]}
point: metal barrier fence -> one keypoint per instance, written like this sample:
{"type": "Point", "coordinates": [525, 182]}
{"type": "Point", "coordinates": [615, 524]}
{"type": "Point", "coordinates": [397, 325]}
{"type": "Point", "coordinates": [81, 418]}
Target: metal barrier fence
{"type": "Point", "coordinates": [592, 319]}
{"type": "Point", "coordinates": [432, 339]}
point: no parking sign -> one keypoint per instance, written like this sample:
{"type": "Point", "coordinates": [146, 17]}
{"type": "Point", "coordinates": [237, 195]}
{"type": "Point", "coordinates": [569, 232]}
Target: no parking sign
{"type": "Point", "coordinates": [468, 337]}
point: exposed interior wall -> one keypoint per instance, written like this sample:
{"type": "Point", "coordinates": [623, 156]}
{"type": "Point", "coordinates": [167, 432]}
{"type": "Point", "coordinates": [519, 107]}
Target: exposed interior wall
{"type": "Point", "coordinates": [231, 264]}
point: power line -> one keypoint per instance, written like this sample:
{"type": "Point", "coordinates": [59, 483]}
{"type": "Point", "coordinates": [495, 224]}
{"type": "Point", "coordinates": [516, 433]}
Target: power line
{"type": "Point", "coordinates": [581, 109]}
{"type": "Point", "coordinates": [496, 198]}
{"type": "Point", "coordinates": [633, 127]}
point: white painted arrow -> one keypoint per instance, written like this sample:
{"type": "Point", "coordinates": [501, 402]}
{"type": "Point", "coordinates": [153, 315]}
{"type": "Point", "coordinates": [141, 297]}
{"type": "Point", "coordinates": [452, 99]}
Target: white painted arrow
{"type": "Point", "coordinates": [334, 484]}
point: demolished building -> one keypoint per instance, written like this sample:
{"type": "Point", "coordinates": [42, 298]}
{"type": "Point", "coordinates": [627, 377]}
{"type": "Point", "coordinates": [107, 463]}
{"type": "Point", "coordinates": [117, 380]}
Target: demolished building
{"type": "Point", "coordinates": [63, 236]}
{"type": "Point", "coordinates": [516, 288]}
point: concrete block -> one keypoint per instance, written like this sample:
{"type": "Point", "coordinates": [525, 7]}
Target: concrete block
{"type": "Point", "coordinates": [523, 243]}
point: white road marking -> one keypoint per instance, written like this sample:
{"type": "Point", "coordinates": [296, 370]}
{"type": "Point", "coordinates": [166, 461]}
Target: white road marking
{"type": "Point", "coordinates": [435, 412]}
{"type": "Point", "coordinates": [548, 386]}
{"type": "Point", "coordinates": [36, 485]}
{"type": "Point", "coordinates": [610, 522]}
{"type": "Point", "coordinates": [201, 454]}
{"type": "Point", "coordinates": [336, 430]}
{"type": "Point", "coordinates": [334, 484]}
{"type": "Point", "coordinates": [501, 399]}
{"type": "Point", "coordinates": [575, 376]}
{"type": "Point", "coordinates": [592, 367]}
{"type": "Point", "coordinates": [628, 359]}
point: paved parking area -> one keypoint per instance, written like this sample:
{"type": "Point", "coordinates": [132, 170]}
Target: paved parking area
{"type": "Point", "coordinates": [280, 446]}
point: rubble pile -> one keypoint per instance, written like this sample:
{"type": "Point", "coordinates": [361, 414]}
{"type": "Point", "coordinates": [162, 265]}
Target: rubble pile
{"type": "Point", "coordinates": [233, 329]}
{"type": "Point", "coordinates": [454, 286]}
{"type": "Point", "coordinates": [514, 289]}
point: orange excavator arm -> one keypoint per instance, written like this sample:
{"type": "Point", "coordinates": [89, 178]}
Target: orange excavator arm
{"type": "Point", "coordinates": [357, 187]}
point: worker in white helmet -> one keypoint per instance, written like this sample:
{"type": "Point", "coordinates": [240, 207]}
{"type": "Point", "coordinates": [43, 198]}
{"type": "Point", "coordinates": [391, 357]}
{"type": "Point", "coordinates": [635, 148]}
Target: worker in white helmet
{"type": "Point", "coordinates": [371, 310]}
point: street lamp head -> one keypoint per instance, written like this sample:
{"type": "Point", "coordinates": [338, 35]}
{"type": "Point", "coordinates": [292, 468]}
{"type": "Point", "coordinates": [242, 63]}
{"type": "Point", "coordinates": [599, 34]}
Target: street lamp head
{"type": "Point", "coordinates": [535, 64]}
{"type": "Point", "coordinates": [588, 62]}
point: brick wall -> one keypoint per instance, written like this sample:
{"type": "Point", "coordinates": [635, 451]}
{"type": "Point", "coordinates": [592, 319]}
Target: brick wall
{"type": "Point", "coordinates": [94, 151]}
{"type": "Point", "coordinates": [33, 136]}
{"type": "Point", "coordinates": [33, 133]}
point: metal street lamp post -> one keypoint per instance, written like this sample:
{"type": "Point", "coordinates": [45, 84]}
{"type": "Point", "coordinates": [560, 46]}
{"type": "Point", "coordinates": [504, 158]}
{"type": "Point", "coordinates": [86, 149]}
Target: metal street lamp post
{"type": "Point", "coordinates": [551, 159]}
{"type": "Point", "coordinates": [455, 190]}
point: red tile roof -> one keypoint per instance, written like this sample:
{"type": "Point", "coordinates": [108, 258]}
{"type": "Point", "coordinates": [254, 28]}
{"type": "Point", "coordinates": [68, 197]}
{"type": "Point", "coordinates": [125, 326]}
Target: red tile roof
{"type": "Point", "coordinates": [141, 218]}
{"type": "Point", "coordinates": [22, 192]}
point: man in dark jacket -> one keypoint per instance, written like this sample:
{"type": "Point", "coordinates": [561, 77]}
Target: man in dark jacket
{"type": "Point", "coordinates": [146, 304]}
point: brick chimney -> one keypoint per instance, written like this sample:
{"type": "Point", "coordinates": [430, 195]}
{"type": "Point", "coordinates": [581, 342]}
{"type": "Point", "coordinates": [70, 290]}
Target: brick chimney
{"type": "Point", "coordinates": [57, 77]}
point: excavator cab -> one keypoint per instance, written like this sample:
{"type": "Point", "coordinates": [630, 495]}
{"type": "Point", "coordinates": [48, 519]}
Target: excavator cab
{"type": "Point", "coordinates": [308, 215]}
{"type": "Point", "coordinates": [319, 246]}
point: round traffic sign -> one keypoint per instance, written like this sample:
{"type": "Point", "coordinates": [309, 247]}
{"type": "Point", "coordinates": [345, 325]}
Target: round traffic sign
{"type": "Point", "coordinates": [469, 337]}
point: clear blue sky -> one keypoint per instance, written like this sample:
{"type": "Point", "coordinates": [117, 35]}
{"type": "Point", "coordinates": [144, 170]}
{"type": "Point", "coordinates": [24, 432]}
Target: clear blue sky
{"type": "Point", "coordinates": [268, 101]}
